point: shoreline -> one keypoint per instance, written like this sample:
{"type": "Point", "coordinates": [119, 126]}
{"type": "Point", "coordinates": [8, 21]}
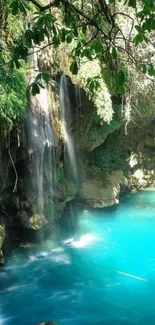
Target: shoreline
{"type": "Point", "coordinates": [148, 189]}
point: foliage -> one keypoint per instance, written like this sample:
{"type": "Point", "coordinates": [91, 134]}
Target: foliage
{"type": "Point", "coordinates": [12, 76]}
{"type": "Point", "coordinates": [13, 96]}
{"type": "Point", "coordinates": [95, 86]}
{"type": "Point", "coordinates": [94, 29]}
{"type": "Point", "coordinates": [108, 158]}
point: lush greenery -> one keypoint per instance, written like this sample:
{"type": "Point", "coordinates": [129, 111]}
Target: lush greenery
{"type": "Point", "coordinates": [96, 29]}
{"type": "Point", "coordinates": [13, 96]}
{"type": "Point", "coordinates": [116, 37]}
{"type": "Point", "coordinates": [12, 79]}
{"type": "Point", "coordinates": [109, 156]}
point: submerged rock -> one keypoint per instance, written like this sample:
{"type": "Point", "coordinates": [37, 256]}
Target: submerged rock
{"type": "Point", "coordinates": [100, 194]}
{"type": "Point", "coordinates": [2, 236]}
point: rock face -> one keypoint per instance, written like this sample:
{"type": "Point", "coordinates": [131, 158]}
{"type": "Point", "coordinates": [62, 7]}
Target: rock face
{"type": "Point", "coordinates": [108, 162]}
{"type": "Point", "coordinates": [101, 194]}
{"type": "Point", "coordinates": [2, 236]}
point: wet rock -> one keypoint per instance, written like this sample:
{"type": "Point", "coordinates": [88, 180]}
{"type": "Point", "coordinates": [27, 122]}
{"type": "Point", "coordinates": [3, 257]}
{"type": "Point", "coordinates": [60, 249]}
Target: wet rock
{"type": "Point", "coordinates": [25, 205]}
{"type": "Point", "coordinates": [16, 203]}
{"type": "Point", "coordinates": [23, 219]}
{"type": "Point", "coordinates": [2, 236]}
{"type": "Point", "coordinates": [100, 194]}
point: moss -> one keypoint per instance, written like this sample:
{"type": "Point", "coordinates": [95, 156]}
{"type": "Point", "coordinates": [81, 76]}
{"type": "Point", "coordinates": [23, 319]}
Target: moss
{"type": "Point", "coordinates": [70, 189]}
{"type": "Point", "coordinates": [111, 155]}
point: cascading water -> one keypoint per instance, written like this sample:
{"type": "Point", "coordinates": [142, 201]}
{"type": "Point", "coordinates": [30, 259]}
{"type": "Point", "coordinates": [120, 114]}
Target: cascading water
{"type": "Point", "coordinates": [66, 119]}
{"type": "Point", "coordinates": [40, 144]}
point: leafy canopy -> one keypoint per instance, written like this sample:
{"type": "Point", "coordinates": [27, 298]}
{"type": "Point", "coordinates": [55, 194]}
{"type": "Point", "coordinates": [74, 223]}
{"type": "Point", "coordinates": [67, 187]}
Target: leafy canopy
{"type": "Point", "coordinates": [94, 28]}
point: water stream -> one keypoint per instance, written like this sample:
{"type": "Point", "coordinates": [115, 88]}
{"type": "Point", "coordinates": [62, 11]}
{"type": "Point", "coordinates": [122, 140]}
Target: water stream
{"type": "Point", "coordinates": [66, 120]}
{"type": "Point", "coordinates": [97, 268]}
{"type": "Point", "coordinates": [40, 142]}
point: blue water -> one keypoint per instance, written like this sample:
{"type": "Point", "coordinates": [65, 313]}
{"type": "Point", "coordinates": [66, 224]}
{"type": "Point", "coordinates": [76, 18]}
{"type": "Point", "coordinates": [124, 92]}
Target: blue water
{"type": "Point", "coordinates": [98, 268]}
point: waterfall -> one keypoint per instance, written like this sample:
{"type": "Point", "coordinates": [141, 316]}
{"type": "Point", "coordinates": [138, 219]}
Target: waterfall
{"type": "Point", "coordinates": [78, 103]}
{"type": "Point", "coordinates": [66, 121]}
{"type": "Point", "coordinates": [40, 144]}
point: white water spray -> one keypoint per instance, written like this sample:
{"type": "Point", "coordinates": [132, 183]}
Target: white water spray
{"type": "Point", "coordinates": [40, 141]}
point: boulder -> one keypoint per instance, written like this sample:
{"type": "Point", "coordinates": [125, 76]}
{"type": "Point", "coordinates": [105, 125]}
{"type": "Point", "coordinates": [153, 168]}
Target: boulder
{"type": "Point", "coordinates": [100, 194]}
{"type": "Point", "coordinates": [35, 222]}
{"type": "Point", "coordinates": [2, 236]}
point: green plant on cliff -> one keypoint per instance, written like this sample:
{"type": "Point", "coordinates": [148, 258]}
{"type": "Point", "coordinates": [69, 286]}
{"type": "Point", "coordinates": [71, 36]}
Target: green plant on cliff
{"type": "Point", "coordinates": [109, 156]}
{"type": "Point", "coordinates": [12, 96]}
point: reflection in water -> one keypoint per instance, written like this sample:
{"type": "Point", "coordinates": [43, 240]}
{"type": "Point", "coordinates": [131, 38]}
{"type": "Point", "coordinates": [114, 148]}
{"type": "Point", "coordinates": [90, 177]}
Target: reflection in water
{"type": "Point", "coordinates": [101, 271]}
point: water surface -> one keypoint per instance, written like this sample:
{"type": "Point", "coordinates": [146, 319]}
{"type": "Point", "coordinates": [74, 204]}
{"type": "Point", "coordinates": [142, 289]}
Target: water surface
{"type": "Point", "coordinates": [98, 268]}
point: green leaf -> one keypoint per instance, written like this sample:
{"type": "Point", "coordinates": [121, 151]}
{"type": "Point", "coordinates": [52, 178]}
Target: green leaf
{"type": "Point", "coordinates": [75, 31]}
{"type": "Point", "coordinates": [35, 89]}
{"type": "Point", "coordinates": [46, 76]}
{"type": "Point", "coordinates": [63, 34]}
{"type": "Point", "coordinates": [138, 28]}
{"type": "Point", "coordinates": [17, 64]}
{"type": "Point", "coordinates": [114, 52]}
{"type": "Point", "coordinates": [122, 76]}
{"type": "Point", "coordinates": [84, 29]}
{"type": "Point", "coordinates": [14, 7]}
{"type": "Point", "coordinates": [29, 35]}
{"type": "Point", "coordinates": [132, 3]}
{"type": "Point", "coordinates": [22, 8]}
{"type": "Point", "coordinates": [74, 67]}
{"type": "Point", "coordinates": [139, 38]}
{"type": "Point", "coordinates": [151, 70]}
{"type": "Point", "coordinates": [144, 68]}
{"type": "Point", "coordinates": [97, 46]}
{"type": "Point", "coordinates": [69, 38]}
{"type": "Point", "coordinates": [87, 53]}
{"type": "Point", "coordinates": [38, 77]}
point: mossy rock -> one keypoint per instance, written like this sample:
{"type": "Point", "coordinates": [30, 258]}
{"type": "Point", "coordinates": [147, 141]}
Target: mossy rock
{"type": "Point", "coordinates": [37, 221]}
{"type": "Point", "coordinates": [2, 236]}
{"type": "Point", "coordinates": [70, 189]}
